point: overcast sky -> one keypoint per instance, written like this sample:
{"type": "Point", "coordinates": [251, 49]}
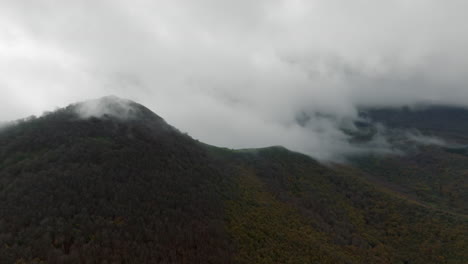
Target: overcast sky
{"type": "Point", "coordinates": [236, 73]}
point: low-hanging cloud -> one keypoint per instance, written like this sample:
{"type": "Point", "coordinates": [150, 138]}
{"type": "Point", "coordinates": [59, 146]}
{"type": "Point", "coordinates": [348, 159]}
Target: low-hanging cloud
{"type": "Point", "coordinates": [111, 106]}
{"type": "Point", "coordinates": [237, 73]}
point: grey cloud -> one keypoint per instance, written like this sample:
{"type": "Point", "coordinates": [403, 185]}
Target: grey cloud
{"type": "Point", "coordinates": [237, 73]}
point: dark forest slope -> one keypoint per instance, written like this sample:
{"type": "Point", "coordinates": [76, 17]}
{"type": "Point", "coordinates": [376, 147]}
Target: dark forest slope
{"type": "Point", "coordinates": [89, 190]}
{"type": "Point", "coordinates": [109, 189]}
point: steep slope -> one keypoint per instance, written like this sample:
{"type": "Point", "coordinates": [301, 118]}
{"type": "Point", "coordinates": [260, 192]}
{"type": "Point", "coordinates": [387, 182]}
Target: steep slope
{"type": "Point", "coordinates": [108, 189]}
{"type": "Point", "coordinates": [108, 181]}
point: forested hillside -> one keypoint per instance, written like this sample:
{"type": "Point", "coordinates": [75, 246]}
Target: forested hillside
{"type": "Point", "coordinates": [80, 188]}
{"type": "Point", "coordinates": [76, 190]}
{"type": "Point", "coordinates": [334, 215]}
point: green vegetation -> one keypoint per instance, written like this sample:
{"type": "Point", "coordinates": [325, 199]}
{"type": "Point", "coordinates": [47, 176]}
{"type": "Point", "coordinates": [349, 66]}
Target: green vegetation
{"type": "Point", "coordinates": [432, 176]}
{"type": "Point", "coordinates": [266, 230]}
{"type": "Point", "coordinates": [350, 220]}
{"type": "Point", "coordinates": [106, 190]}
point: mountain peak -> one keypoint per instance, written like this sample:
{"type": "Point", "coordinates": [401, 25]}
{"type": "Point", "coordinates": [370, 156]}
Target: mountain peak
{"type": "Point", "coordinates": [112, 106]}
{"type": "Point", "coordinates": [122, 182]}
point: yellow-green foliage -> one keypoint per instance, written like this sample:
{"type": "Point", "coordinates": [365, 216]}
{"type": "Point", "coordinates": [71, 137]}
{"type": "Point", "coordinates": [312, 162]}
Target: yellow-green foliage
{"type": "Point", "coordinates": [266, 230]}
{"type": "Point", "coordinates": [290, 209]}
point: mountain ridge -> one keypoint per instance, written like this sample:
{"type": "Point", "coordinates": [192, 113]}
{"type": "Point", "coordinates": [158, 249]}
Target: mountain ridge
{"type": "Point", "coordinates": [100, 188]}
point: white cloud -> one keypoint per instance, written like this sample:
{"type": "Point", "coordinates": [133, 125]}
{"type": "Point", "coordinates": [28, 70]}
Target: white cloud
{"type": "Point", "coordinates": [235, 73]}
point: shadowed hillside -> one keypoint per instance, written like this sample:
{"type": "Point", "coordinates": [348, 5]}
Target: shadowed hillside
{"type": "Point", "coordinates": [92, 190]}
{"type": "Point", "coordinates": [86, 185]}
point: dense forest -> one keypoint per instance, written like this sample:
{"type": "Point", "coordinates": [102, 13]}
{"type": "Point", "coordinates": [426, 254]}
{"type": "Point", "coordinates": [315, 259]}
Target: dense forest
{"type": "Point", "coordinates": [107, 189]}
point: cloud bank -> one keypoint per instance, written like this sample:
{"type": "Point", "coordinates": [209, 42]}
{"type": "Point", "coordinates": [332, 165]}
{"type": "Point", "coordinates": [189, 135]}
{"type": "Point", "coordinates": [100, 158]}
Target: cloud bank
{"type": "Point", "coordinates": [237, 73]}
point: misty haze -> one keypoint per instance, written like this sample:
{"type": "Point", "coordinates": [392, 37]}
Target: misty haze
{"type": "Point", "coordinates": [270, 131]}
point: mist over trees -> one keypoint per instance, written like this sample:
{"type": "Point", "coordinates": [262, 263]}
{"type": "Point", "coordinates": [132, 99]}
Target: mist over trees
{"type": "Point", "coordinates": [77, 189]}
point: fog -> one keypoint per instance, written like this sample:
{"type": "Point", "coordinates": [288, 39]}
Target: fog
{"type": "Point", "coordinates": [237, 73]}
{"type": "Point", "coordinates": [111, 106]}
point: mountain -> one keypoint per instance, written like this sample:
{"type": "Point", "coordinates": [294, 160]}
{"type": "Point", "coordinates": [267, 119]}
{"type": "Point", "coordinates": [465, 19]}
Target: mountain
{"type": "Point", "coordinates": [436, 174]}
{"type": "Point", "coordinates": [446, 122]}
{"type": "Point", "coordinates": [109, 181]}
